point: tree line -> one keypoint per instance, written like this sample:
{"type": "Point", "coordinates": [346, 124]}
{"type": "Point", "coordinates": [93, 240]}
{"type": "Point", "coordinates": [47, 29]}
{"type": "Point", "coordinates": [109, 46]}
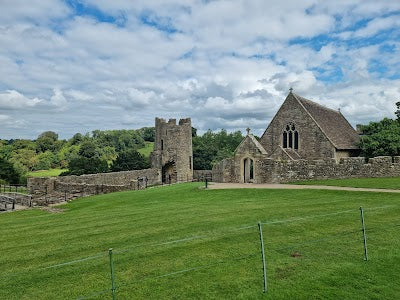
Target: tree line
{"type": "Point", "coordinates": [102, 151]}
{"type": "Point", "coordinates": [95, 152]}
{"type": "Point", "coordinates": [116, 150]}
{"type": "Point", "coordinates": [381, 138]}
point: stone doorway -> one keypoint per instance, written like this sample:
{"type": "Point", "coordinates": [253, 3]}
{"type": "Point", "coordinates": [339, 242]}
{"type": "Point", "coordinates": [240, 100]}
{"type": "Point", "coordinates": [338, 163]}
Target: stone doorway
{"type": "Point", "coordinates": [169, 173]}
{"type": "Point", "coordinates": [248, 170]}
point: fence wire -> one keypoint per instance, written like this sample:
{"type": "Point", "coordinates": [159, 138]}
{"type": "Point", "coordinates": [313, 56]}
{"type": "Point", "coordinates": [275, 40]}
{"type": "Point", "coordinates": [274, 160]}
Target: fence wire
{"type": "Point", "coordinates": [207, 234]}
{"type": "Point", "coordinates": [192, 269]}
{"type": "Point", "coordinates": [213, 234]}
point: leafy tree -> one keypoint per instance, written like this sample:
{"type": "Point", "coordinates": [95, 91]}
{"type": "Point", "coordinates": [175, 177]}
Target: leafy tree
{"type": "Point", "coordinates": [5, 151]}
{"type": "Point", "coordinates": [84, 165]}
{"type": "Point", "coordinates": [8, 173]}
{"type": "Point", "coordinates": [380, 138]}
{"type": "Point", "coordinates": [130, 160]}
{"type": "Point", "coordinates": [147, 133]}
{"type": "Point", "coordinates": [121, 140]}
{"type": "Point", "coordinates": [47, 141]}
{"type": "Point", "coordinates": [108, 153]}
{"type": "Point", "coordinates": [76, 139]}
{"type": "Point", "coordinates": [26, 159]}
{"type": "Point", "coordinates": [23, 144]}
{"type": "Point", "coordinates": [211, 147]}
{"type": "Point", "coordinates": [87, 161]}
{"type": "Point", "coordinates": [397, 112]}
{"type": "Point", "coordinates": [46, 160]}
{"type": "Point", "coordinates": [88, 150]}
{"type": "Point", "coordinates": [66, 154]}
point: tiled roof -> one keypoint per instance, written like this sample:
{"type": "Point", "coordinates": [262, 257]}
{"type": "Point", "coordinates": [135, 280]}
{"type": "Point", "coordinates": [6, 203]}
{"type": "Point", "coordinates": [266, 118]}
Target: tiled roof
{"type": "Point", "coordinates": [333, 124]}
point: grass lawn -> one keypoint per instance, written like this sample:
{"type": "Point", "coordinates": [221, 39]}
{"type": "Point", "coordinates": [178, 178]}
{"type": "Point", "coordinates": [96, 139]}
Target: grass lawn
{"type": "Point", "coordinates": [147, 149]}
{"type": "Point", "coordinates": [206, 243]}
{"type": "Point", "coordinates": [46, 173]}
{"type": "Point", "coordinates": [377, 183]}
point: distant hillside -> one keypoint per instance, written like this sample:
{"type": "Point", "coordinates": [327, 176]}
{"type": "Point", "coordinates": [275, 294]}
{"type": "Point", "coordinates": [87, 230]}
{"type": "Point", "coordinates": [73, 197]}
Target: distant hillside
{"type": "Point", "coordinates": [147, 149]}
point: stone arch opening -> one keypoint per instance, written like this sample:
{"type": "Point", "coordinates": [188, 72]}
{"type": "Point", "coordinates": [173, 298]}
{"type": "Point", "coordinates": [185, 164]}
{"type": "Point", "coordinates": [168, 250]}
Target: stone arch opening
{"type": "Point", "coordinates": [248, 170]}
{"type": "Point", "coordinates": [169, 172]}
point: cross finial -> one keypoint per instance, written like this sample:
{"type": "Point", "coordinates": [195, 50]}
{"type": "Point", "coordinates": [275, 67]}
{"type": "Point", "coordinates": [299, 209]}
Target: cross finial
{"type": "Point", "coordinates": [248, 130]}
{"type": "Point", "coordinates": [339, 109]}
{"type": "Point", "coordinates": [291, 89]}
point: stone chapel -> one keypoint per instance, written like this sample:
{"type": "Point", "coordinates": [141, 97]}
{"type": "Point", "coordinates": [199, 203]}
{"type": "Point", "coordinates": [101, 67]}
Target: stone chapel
{"type": "Point", "coordinates": [301, 131]}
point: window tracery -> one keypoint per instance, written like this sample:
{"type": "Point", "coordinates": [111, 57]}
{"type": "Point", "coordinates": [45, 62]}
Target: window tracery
{"type": "Point", "coordinates": [290, 137]}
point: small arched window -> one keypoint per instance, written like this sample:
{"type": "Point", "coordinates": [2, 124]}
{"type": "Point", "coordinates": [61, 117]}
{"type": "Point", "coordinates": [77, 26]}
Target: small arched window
{"type": "Point", "coordinates": [290, 137]}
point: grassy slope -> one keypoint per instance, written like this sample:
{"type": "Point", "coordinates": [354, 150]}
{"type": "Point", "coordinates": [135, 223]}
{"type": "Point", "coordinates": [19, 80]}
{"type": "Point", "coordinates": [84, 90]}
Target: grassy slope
{"type": "Point", "coordinates": [133, 223]}
{"type": "Point", "coordinates": [147, 149]}
{"type": "Point", "coordinates": [383, 183]}
{"type": "Point", "coordinates": [46, 173]}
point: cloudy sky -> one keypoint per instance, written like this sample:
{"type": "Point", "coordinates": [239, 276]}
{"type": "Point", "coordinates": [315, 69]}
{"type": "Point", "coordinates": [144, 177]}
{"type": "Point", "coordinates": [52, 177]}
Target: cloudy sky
{"type": "Point", "coordinates": [79, 65]}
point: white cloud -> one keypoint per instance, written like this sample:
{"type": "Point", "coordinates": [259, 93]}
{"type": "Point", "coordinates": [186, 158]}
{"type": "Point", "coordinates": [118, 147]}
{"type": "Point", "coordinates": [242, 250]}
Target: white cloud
{"type": "Point", "coordinates": [373, 27]}
{"type": "Point", "coordinates": [34, 10]}
{"type": "Point", "coordinates": [10, 122]}
{"type": "Point", "coordinates": [223, 63]}
{"type": "Point", "coordinates": [58, 99]}
{"type": "Point", "coordinates": [12, 99]}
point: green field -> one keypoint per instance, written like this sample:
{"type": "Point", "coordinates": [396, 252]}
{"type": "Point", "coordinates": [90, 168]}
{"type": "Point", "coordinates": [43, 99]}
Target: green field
{"type": "Point", "coordinates": [46, 173]}
{"type": "Point", "coordinates": [147, 149]}
{"type": "Point", "coordinates": [179, 242]}
{"type": "Point", "coordinates": [377, 183]}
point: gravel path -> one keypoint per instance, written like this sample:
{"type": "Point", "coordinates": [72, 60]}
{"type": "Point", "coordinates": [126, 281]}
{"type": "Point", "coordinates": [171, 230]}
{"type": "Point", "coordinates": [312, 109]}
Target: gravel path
{"type": "Point", "coordinates": [220, 186]}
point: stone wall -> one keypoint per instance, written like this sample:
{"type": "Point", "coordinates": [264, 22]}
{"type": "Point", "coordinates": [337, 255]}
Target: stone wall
{"type": "Point", "coordinates": [173, 150]}
{"type": "Point", "coordinates": [55, 189]}
{"type": "Point", "coordinates": [201, 175]}
{"type": "Point", "coordinates": [278, 171]}
{"type": "Point", "coordinates": [313, 143]}
{"type": "Point", "coordinates": [7, 199]}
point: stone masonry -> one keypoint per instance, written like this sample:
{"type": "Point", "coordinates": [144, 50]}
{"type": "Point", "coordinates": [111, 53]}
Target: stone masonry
{"type": "Point", "coordinates": [171, 163]}
{"type": "Point", "coordinates": [268, 170]}
{"type": "Point", "coordinates": [63, 188]}
{"type": "Point", "coordinates": [173, 152]}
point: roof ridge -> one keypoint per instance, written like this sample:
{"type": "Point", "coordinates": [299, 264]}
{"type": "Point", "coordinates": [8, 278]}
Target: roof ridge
{"type": "Point", "coordinates": [315, 103]}
{"type": "Point", "coordinates": [315, 121]}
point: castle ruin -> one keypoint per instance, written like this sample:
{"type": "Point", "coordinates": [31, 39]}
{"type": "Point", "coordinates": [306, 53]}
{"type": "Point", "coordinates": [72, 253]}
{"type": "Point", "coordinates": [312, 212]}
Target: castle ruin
{"type": "Point", "coordinates": [173, 153]}
{"type": "Point", "coordinates": [171, 162]}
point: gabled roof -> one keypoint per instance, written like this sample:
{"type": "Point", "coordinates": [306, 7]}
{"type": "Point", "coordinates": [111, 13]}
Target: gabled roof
{"type": "Point", "coordinates": [335, 126]}
{"type": "Point", "coordinates": [253, 140]}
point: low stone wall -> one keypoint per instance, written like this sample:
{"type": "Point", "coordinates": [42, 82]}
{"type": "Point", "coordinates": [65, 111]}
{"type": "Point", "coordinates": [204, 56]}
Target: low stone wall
{"type": "Point", "coordinates": [201, 175]}
{"type": "Point", "coordinates": [46, 190]}
{"type": "Point", "coordinates": [7, 199]}
{"type": "Point", "coordinates": [276, 171]}
{"type": "Point", "coordinates": [113, 178]}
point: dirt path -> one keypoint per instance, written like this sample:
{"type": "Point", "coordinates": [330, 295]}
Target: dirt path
{"type": "Point", "coordinates": [220, 186]}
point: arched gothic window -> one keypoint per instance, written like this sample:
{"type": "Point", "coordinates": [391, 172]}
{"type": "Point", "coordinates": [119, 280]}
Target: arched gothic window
{"type": "Point", "coordinates": [290, 137]}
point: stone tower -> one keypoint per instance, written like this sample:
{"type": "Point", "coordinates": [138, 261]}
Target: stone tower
{"type": "Point", "coordinates": [173, 152]}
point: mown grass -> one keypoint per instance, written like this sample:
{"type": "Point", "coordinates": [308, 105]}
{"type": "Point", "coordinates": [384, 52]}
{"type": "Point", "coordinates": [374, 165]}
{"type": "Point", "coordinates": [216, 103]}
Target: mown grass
{"type": "Point", "coordinates": [46, 173]}
{"type": "Point", "coordinates": [312, 237]}
{"type": "Point", "coordinates": [147, 149]}
{"type": "Point", "coordinates": [377, 183]}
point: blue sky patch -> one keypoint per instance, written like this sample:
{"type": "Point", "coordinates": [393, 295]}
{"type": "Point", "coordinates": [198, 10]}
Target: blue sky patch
{"type": "Point", "coordinates": [164, 24]}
